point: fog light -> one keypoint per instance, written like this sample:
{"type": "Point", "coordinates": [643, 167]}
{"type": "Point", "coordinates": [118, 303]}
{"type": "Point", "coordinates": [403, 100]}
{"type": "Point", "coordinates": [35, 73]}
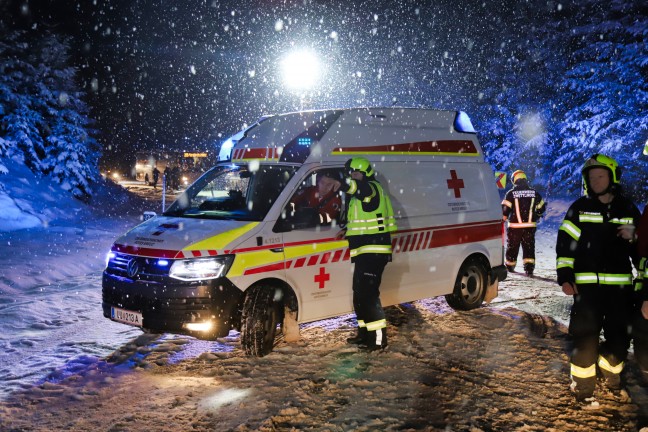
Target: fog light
{"type": "Point", "coordinates": [199, 326]}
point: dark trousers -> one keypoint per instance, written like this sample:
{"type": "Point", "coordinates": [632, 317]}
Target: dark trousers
{"type": "Point", "coordinates": [367, 276]}
{"type": "Point", "coordinates": [525, 237]}
{"type": "Point", "coordinates": [596, 308]}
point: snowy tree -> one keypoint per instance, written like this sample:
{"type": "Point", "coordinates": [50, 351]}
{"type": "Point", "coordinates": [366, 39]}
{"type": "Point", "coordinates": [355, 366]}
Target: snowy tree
{"type": "Point", "coordinates": [606, 93]}
{"type": "Point", "coordinates": [515, 111]}
{"type": "Point", "coordinates": [44, 122]}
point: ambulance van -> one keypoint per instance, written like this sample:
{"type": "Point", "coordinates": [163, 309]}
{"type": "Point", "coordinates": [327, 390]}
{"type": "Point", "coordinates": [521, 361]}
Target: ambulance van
{"type": "Point", "coordinates": [234, 252]}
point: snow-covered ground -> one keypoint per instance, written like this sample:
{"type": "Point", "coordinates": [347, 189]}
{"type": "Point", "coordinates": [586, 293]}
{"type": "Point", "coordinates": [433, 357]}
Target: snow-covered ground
{"type": "Point", "coordinates": [64, 367]}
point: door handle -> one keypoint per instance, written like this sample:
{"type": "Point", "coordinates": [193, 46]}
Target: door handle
{"type": "Point", "coordinates": [277, 250]}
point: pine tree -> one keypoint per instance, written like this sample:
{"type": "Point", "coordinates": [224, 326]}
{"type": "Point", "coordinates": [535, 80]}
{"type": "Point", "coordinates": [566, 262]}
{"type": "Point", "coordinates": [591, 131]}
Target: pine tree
{"type": "Point", "coordinates": [606, 96]}
{"type": "Point", "coordinates": [44, 119]}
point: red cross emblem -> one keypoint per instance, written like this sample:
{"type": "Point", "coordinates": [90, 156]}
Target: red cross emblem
{"type": "Point", "coordinates": [455, 183]}
{"type": "Point", "coordinates": [322, 277]}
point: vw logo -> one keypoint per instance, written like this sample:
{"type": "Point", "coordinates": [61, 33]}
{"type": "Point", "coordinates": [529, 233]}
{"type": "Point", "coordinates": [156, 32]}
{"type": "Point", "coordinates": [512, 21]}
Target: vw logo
{"type": "Point", "coordinates": [133, 268]}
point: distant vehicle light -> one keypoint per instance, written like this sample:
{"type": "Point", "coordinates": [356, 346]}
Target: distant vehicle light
{"type": "Point", "coordinates": [163, 262]}
{"type": "Point", "coordinates": [115, 175]}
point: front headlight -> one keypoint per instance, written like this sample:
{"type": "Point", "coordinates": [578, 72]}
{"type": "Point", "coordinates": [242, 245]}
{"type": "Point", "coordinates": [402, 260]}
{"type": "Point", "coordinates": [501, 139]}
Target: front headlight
{"type": "Point", "coordinates": [201, 268]}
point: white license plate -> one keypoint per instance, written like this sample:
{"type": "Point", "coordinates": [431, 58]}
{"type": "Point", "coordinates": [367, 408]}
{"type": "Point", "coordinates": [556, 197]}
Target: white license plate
{"type": "Point", "coordinates": [126, 316]}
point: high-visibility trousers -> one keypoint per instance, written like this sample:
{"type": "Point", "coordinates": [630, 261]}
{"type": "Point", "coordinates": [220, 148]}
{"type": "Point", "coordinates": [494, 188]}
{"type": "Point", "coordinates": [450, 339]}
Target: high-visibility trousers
{"type": "Point", "coordinates": [600, 307]}
{"type": "Point", "coordinates": [367, 276]}
{"type": "Point", "coordinates": [525, 237]}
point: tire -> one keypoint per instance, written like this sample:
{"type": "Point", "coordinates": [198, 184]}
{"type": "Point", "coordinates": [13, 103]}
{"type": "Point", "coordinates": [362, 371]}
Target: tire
{"type": "Point", "coordinates": [262, 311]}
{"type": "Point", "coordinates": [470, 286]}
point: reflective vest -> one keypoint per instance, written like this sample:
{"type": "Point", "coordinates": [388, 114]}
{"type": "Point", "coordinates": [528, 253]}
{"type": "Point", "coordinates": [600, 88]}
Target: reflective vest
{"type": "Point", "coordinates": [369, 231]}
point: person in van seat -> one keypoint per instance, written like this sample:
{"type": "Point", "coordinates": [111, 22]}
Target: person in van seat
{"type": "Point", "coordinates": [593, 263]}
{"type": "Point", "coordinates": [321, 197]}
{"type": "Point", "coordinates": [370, 222]}
{"type": "Point", "coordinates": [522, 207]}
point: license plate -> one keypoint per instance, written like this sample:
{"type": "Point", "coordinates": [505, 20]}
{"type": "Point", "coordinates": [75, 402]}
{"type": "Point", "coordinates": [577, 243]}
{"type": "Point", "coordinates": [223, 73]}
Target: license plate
{"type": "Point", "coordinates": [126, 316]}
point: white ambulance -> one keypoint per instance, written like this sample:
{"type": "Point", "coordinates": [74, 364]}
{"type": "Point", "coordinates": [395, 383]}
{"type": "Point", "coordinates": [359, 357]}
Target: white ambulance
{"type": "Point", "coordinates": [233, 252]}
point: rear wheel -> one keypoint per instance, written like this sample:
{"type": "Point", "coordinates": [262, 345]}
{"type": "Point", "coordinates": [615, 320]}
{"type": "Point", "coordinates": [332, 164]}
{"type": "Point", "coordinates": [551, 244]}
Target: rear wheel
{"type": "Point", "coordinates": [470, 286]}
{"type": "Point", "coordinates": [262, 312]}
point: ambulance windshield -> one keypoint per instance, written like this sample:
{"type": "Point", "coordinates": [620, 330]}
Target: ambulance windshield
{"type": "Point", "coordinates": [236, 192]}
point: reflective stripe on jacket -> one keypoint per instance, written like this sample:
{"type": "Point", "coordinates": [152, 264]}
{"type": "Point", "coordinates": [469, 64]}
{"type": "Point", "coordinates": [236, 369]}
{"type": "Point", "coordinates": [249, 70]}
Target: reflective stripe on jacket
{"type": "Point", "coordinates": [589, 249]}
{"type": "Point", "coordinates": [522, 206]}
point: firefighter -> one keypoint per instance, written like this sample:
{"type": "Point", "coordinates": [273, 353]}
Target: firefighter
{"type": "Point", "coordinates": [593, 262]}
{"type": "Point", "coordinates": [370, 220]}
{"type": "Point", "coordinates": [522, 207]}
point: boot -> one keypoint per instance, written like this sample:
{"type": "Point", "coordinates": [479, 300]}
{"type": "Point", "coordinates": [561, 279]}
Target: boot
{"type": "Point", "coordinates": [376, 340]}
{"type": "Point", "coordinates": [360, 337]}
{"type": "Point", "coordinates": [528, 269]}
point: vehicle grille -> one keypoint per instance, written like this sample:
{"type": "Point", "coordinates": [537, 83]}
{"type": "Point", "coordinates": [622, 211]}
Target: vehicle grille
{"type": "Point", "coordinates": [147, 268]}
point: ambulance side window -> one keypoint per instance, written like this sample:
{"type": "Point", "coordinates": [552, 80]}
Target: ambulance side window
{"type": "Point", "coordinates": [315, 203]}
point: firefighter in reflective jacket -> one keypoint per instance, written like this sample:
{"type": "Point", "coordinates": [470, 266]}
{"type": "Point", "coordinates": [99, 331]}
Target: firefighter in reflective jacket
{"type": "Point", "coordinates": [522, 207]}
{"type": "Point", "coordinates": [593, 262]}
{"type": "Point", "coordinates": [370, 220]}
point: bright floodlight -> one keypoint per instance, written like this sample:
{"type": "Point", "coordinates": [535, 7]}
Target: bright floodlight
{"type": "Point", "coordinates": [300, 70]}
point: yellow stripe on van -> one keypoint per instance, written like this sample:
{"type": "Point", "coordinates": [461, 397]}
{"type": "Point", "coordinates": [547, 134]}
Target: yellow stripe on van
{"type": "Point", "coordinates": [218, 242]}
{"type": "Point", "coordinates": [246, 260]}
{"type": "Point", "coordinates": [403, 153]}
{"type": "Point", "coordinates": [313, 248]}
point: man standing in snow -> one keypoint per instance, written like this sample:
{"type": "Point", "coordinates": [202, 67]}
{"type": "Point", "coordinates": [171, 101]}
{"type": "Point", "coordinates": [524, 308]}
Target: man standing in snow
{"type": "Point", "coordinates": [370, 220]}
{"type": "Point", "coordinates": [522, 207]}
{"type": "Point", "coordinates": [594, 265]}
{"type": "Point", "coordinates": [156, 176]}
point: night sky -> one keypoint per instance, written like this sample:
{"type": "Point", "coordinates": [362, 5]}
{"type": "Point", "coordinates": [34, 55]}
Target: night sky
{"type": "Point", "coordinates": [186, 74]}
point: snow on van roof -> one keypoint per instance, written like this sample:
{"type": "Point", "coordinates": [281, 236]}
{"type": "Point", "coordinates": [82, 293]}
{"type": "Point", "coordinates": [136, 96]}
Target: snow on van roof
{"type": "Point", "coordinates": [317, 135]}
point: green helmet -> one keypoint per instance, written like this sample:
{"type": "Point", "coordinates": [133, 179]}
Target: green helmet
{"type": "Point", "coordinates": [602, 161]}
{"type": "Point", "coordinates": [360, 164]}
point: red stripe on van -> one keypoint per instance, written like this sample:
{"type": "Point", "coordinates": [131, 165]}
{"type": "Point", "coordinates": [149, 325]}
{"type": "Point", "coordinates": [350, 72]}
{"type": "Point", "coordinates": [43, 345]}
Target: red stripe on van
{"type": "Point", "coordinates": [256, 153]}
{"type": "Point", "coordinates": [313, 260]}
{"type": "Point", "coordinates": [325, 257]}
{"type": "Point", "coordinates": [300, 262]}
{"type": "Point", "coordinates": [337, 255]}
{"type": "Point", "coordinates": [422, 240]}
{"type": "Point", "coordinates": [272, 267]}
{"type": "Point", "coordinates": [442, 146]}
{"type": "Point", "coordinates": [415, 237]}
{"type": "Point", "coordinates": [450, 237]}
{"type": "Point", "coordinates": [347, 254]}
{"type": "Point", "coordinates": [407, 241]}
{"type": "Point", "coordinates": [145, 252]}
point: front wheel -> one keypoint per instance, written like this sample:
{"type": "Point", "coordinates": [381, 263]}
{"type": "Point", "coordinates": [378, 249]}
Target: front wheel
{"type": "Point", "coordinates": [470, 286]}
{"type": "Point", "coordinates": [262, 311]}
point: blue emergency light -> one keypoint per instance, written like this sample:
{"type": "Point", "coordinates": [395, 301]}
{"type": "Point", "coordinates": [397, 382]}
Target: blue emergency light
{"type": "Point", "coordinates": [304, 141]}
{"type": "Point", "coordinates": [462, 123]}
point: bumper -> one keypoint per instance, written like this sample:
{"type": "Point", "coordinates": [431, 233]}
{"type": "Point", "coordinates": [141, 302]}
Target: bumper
{"type": "Point", "coordinates": [167, 306]}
